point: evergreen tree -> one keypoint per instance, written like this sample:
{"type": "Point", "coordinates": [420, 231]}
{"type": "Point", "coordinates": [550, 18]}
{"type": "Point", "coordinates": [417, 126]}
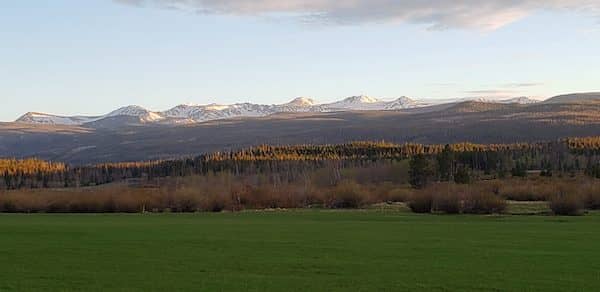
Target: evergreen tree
{"type": "Point", "coordinates": [420, 171]}
{"type": "Point", "coordinates": [462, 175]}
{"type": "Point", "coordinates": [445, 162]}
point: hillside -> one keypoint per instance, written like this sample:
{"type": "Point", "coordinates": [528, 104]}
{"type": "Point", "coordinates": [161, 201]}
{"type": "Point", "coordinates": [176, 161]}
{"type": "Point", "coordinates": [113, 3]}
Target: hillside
{"type": "Point", "coordinates": [469, 121]}
{"type": "Point", "coordinates": [589, 97]}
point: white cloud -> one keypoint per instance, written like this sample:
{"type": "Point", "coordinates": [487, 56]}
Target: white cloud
{"type": "Point", "coordinates": [437, 14]}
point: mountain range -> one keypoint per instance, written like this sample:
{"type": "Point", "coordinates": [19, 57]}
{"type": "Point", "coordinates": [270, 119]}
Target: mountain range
{"type": "Point", "coordinates": [189, 114]}
{"type": "Point", "coordinates": [134, 134]}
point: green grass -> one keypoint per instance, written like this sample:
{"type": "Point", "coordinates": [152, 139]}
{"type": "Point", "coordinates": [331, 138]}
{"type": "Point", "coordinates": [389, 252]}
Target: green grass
{"type": "Point", "coordinates": [300, 250]}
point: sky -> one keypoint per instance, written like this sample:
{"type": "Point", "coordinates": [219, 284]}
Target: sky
{"type": "Point", "coordinates": [90, 57]}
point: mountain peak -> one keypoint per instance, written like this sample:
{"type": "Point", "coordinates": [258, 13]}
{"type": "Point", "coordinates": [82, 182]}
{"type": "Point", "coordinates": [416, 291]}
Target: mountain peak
{"type": "Point", "coordinates": [136, 111]}
{"type": "Point", "coordinates": [521, 100]}
{"type": "Point", "coordinates": [189, 113]}
{"type": "Point", "coordinates": [361, 99]}
{"type": "Point", "coordinates": [405, 99]}
{"type": "Point", "coordinates": [48, 119]}
{"type": "Point", "coordinates": [30, 117]}
{"type": "Point", "coordinates": [302, 101]}
{"type": "Point", "coordinates": [130, 110]}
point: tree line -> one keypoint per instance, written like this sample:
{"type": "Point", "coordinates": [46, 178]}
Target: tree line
{"type": "Point", "coordinates": [428, 162]}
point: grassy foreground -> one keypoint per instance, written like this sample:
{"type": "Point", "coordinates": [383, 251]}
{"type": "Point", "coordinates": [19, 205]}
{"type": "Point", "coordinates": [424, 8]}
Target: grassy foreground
{"type": "Point", "coordinates": [300, 250]}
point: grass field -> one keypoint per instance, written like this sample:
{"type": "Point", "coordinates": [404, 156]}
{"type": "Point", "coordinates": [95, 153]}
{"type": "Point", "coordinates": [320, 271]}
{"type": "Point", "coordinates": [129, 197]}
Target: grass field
{"type": "Point", "coordinates": [299, 250]}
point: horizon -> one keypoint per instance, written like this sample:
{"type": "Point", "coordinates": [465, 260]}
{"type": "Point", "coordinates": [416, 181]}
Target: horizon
{"type": "Point", "coordinates": [316, 102]}
{"type": "Point", "coordinates": [71, 58]}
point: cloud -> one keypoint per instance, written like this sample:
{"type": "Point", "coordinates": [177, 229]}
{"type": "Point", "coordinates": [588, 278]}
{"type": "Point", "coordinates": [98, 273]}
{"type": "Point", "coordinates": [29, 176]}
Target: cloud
{"type": "Point", "coordinates": [491, 92]}
{"type": "Point", "coordinates": [436, 14]}
{"type": "Point", "coordinates": [522, 85]}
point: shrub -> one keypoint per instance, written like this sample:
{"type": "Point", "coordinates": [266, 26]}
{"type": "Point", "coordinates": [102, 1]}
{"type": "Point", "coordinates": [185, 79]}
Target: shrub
{"type": "Point", "coordinates": [483, 203]}
{"type": "Point", "coordinates": [445, 198]}
{"type": "Point", "coordinates": [591, 195]}
{"type": "Point", "coordinates": [8, 206]}
{"type": "Point", "coordinates": [421, 202]}
{"type": "Point", "coordinates": [214, 203]}
{"type": "Point", "coordinates": [187, 204]}
{"type": "Point", "coordinates": [399, 195]}
{"type": "Point", "coordinates": [347, 195]}
{"type": "Point", "coordinates": [519, 190]}
{"type": "Point", "coordinates": [567, 204]}
{"type": "Point", "coordinates": [593, 200]}
{"type": "Point", "coordinates": [446, 202]}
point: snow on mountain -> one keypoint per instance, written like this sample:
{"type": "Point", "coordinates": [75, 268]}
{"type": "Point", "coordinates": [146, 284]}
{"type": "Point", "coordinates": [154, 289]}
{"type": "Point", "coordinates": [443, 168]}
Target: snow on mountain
{"type": "Point", "coordinates": [370, 103]}
{"type": "Point", "coordinates": [182, 111]}
{"type": "Point", "coordinates": [189, 113]}
{"type": "Point", "coordinates": [360, 102]}
{"type": "Point", "coordinates": [202, 113]}
{"type": "Point", "coordinates": [504, 100]}
{"type": "Point", "coordinates": [47, 119]}
{"type": "Point", "coordinates": [403, 103]}
{"type": "Point", "coordinates": [299, 105]}
{"type": "Point", "coordinates": [520, 100]}
{"type": "Point", "coordinates": [136, 111]}
{"type": "Point", "coordinates": [302, 102]}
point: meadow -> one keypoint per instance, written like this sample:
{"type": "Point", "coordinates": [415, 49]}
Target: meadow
{"type": "Point", "coordinates": [299, 250]}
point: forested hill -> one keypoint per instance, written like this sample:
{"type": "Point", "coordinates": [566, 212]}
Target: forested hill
{"type": "Point", "coordinates": [574, 154]}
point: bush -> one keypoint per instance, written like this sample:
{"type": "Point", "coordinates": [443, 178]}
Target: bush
{"type": "Point", "coordinates": [187, 204]}
{"type": "Point", "coordinates": [421, 202]}
{"type": "Point", "coordinates": [592, 201]}
{"type": "Point", "coordinates": [567, 204]}
{"type": "Point", "coordinates": [214, 203]}
{"type": "Point", "coordinates": [445, 198]}
{"type": "Point", "coordinates": [520, 190]}
{"type": "Point", "coordinates": [483, 203]}
{"type": "Point", "coordinates": [451, 198]}
{"type": "Point", "coordinates": [8, 206]}
{"type": "Point", "coordinates": [346, 195]}
{"type": "Point", "coordinates": [591, 195]}
{"type": "Point", "coordinates": [446, 202]}
{"type": "Point", "coordinates": [399, 195]}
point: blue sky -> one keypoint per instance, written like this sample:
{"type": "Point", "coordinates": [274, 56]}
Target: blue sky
{"type": "Point", "coordinates": [90, 57]}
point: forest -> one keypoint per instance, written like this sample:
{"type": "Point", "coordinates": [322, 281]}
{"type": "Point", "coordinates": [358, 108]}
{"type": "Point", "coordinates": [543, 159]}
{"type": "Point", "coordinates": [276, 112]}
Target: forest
{"type": "Point", "coordinates": [436, 162]}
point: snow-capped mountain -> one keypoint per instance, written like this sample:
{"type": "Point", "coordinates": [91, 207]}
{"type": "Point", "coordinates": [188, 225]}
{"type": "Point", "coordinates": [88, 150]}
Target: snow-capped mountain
{"type": "Point", "coordinates": [518, 100]}
{"type": "Point", "coordinates": [357, 103]}
{"type": "Point", "coordinates": [186, 113]}
{"type": "Point", "coordinates": [48, 119]}
{"type": "Point", "coordinates": [143, 114]}
{"type": "Point", "coordinates": [201, 113]}
{"type": "Point", "coordinates": [503, 100]}
{"type": "Point", "coordinates": [298, 105]}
